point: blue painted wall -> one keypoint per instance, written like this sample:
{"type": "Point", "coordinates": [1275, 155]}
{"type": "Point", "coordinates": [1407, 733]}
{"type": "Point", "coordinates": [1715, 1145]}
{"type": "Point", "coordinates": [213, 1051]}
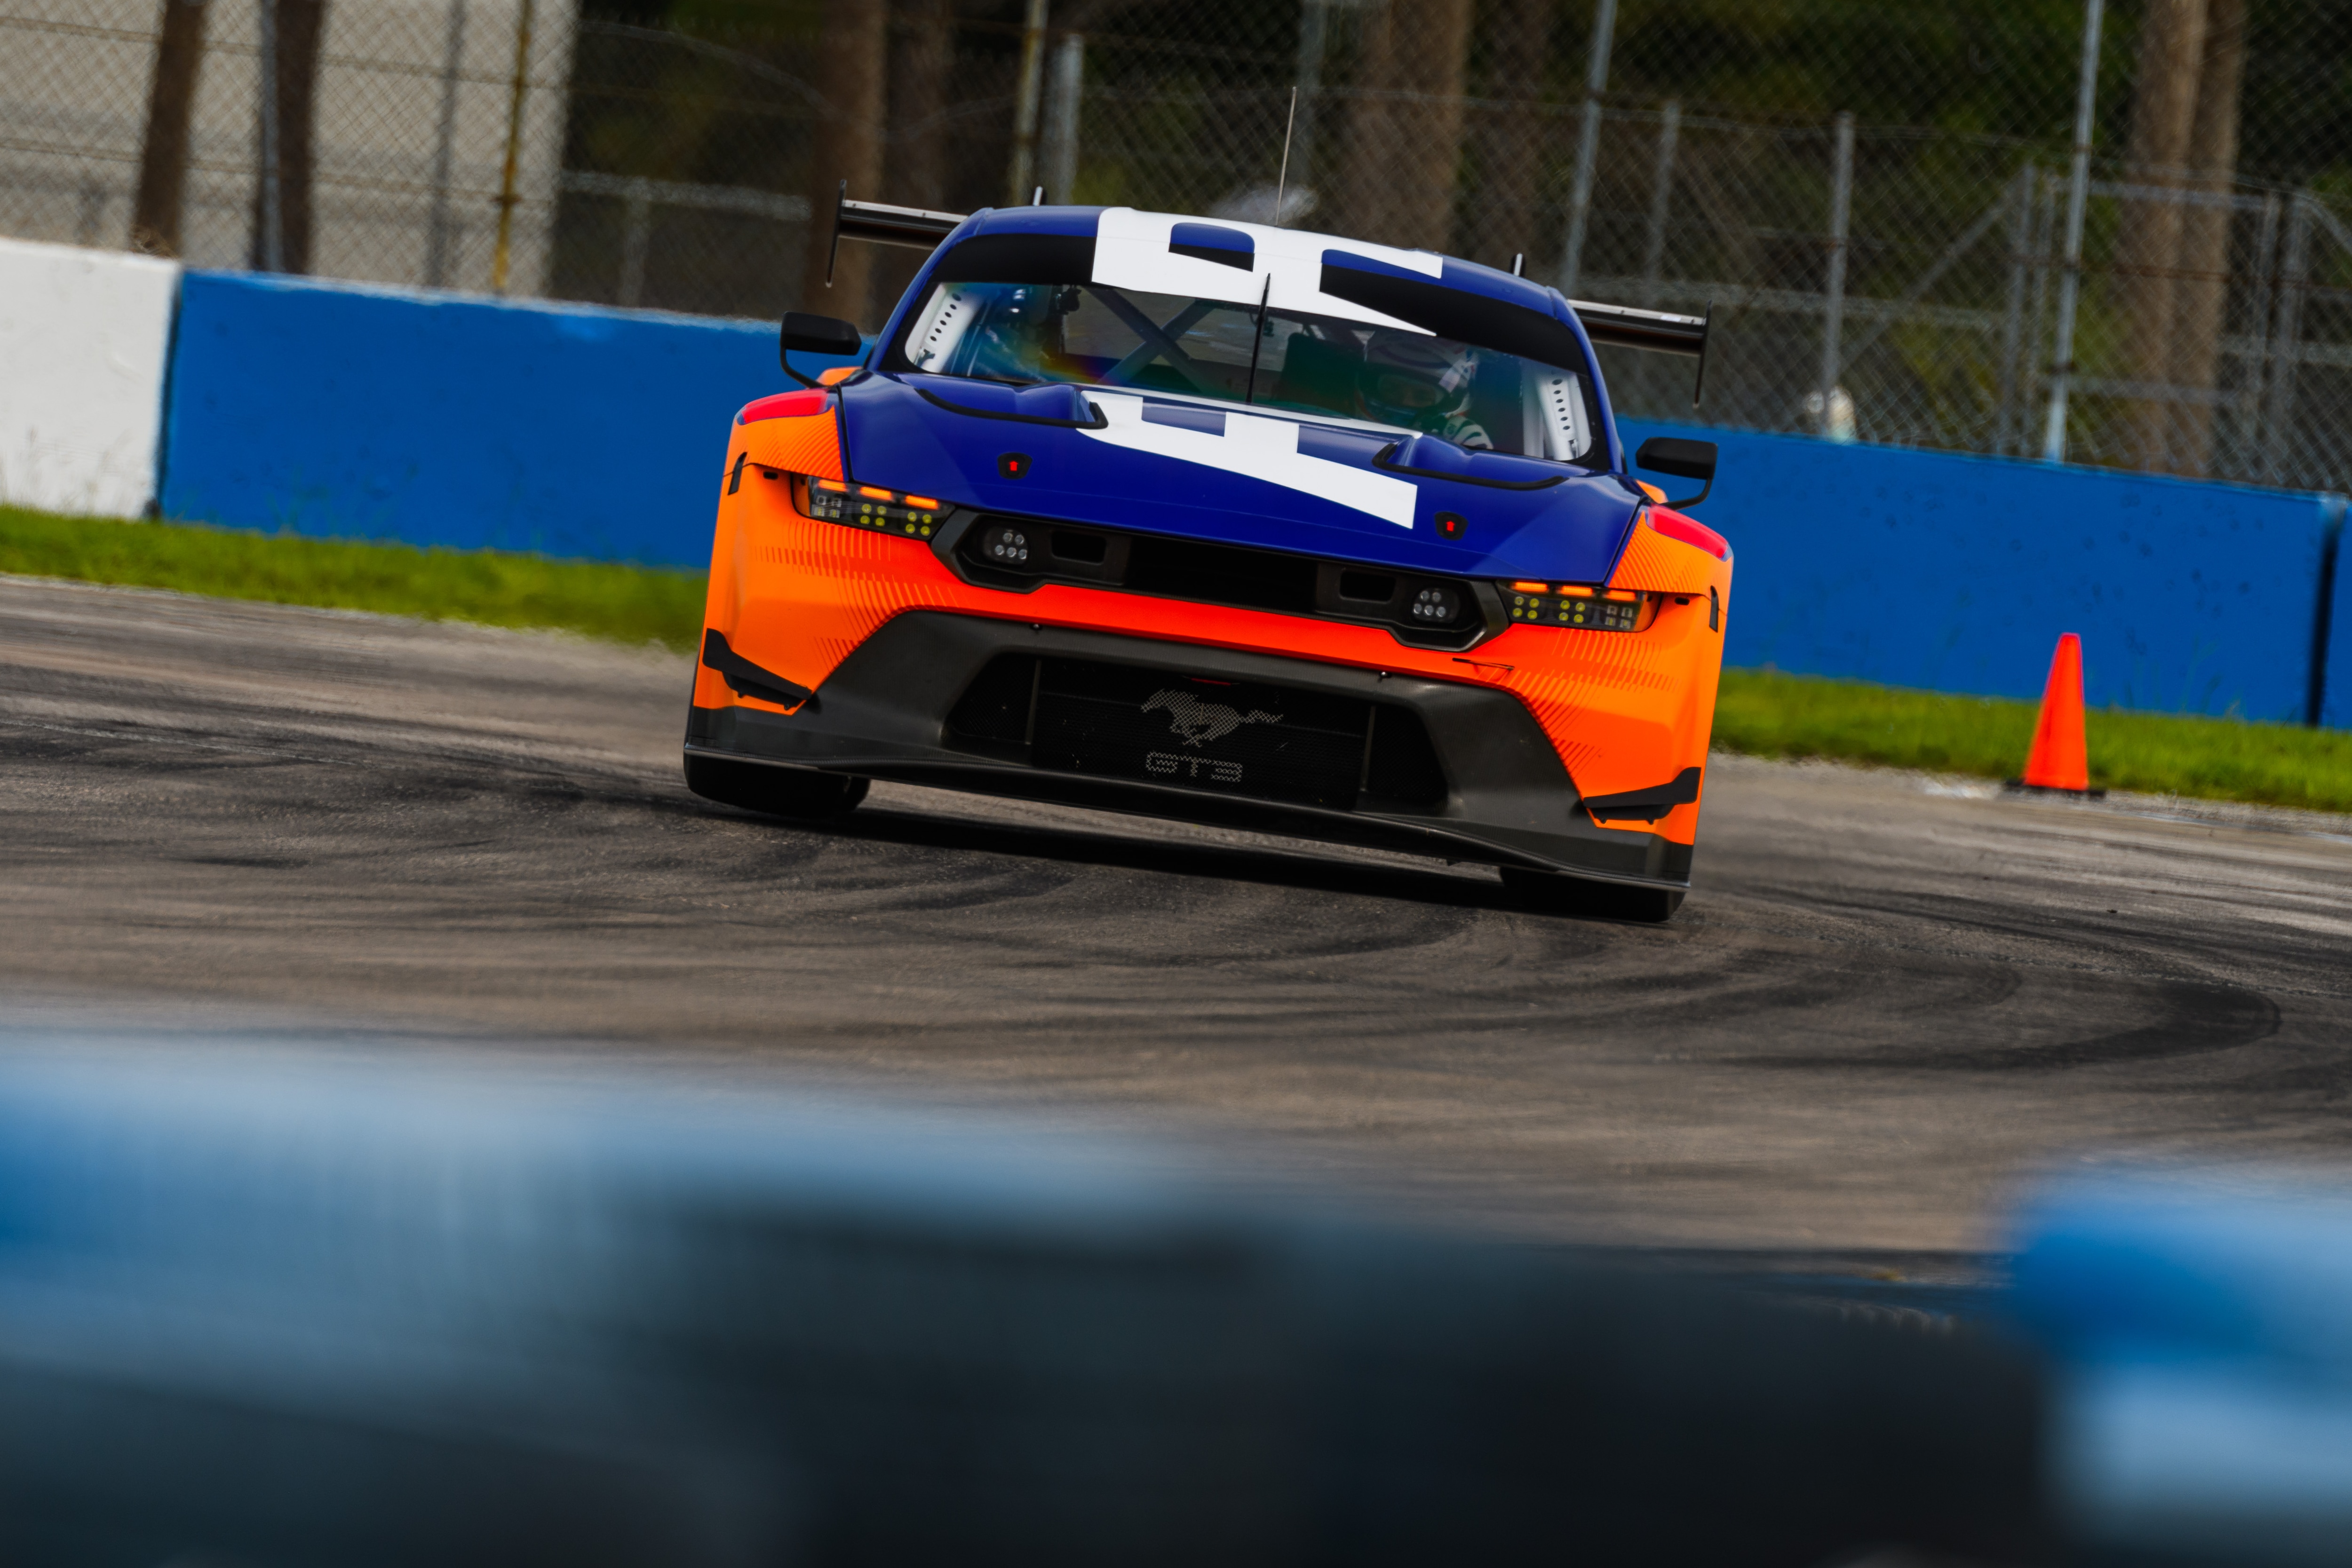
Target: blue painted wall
{"type": "Point", "coordinates": [436, 419]}
{"type": "Point", "coordinates": [575, 431]}
{"type": "Point", "coordinates": [1959, 573]}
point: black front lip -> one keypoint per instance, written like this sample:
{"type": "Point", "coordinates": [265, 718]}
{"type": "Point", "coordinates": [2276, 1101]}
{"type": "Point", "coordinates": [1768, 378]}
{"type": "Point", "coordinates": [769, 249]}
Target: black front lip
{"type": "Point", "coordinates": [882, 715]}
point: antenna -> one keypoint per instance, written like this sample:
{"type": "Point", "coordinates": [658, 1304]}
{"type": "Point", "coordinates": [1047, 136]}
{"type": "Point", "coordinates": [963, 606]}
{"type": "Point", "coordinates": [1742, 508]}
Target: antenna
{"type": "Point", "coordinates": [1283, 180]}
{"type": "Point", "coordinates": [1037, 197]}
{"type": "Point", "coordinates": [1519, 264]}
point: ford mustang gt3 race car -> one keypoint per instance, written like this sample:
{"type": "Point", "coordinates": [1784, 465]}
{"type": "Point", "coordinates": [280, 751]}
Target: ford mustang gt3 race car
{"type": "Point", "coordinates": [1227, 523]}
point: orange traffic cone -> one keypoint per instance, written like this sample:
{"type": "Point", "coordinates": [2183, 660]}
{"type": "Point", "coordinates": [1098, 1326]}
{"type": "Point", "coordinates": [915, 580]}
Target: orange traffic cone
{"type": "Point", "coordinates": [2059, 759]}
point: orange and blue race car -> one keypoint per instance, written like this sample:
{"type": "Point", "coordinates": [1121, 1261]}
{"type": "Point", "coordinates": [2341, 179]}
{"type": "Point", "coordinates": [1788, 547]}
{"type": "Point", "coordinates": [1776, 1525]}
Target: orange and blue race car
{"type": "Point", "coordinates": [1228, 523]}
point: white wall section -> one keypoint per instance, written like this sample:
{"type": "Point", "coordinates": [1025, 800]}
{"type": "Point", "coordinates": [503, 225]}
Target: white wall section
{"type": "Point", "coordinates": [83, 338]}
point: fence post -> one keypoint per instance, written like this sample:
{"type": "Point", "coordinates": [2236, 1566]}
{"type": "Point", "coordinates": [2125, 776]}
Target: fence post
{"type": "Point", "coordinates": [270, 242]}
{"type": "Point", "coordinates": [444, 135]}
{"type": "Point", "coordinates": [2286, 343]}
{"type": "Point", "coordinates": [2249, 407]}
{"type": "Point", "coordinates": [636, 238]}
{"type": "Point", "coordinates": [1841, 213]}
{"type": "Point", "coordinates": [2012, 309]}
{"type": "Point", "coordinates": [1662, 191]}
{"type": "Point", "coordinates": [1587, 144]}
{"type": "Point", "coordinates": [1019, 183]}
{"type": "Point", "coordinates": [2037, 332]}
{"type": "Point", "coordinates": [2078, 195]}
{"type": "Point", "coordinates": [1314, 36]}
{"type": "Point", "coordinates": [1059, 168]}
{"type": "Point", "coordinates": [504, 250]}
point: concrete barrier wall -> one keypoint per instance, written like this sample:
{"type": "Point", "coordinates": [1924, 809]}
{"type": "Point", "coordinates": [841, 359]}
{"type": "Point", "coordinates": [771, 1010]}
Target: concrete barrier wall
{"type": "Point", "coordinates": [83, 338]}
{"type": "Point", "coordinates": [439, 419]}
{"type": "Point", "coordinates": [1959, 573]}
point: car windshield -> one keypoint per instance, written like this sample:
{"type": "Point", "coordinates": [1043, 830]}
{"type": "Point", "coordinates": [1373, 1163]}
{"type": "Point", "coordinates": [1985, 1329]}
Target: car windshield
{"type": "Point", "coordinates": [1479, 398]}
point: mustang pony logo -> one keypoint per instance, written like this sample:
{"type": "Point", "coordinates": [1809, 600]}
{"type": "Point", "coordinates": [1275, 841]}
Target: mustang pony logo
{"type": "Point", "coordinates": [1195, 721]}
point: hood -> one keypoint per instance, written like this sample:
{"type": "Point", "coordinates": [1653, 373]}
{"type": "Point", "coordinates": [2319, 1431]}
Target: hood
{"type": "Point", "coordinates": [1165, 465]}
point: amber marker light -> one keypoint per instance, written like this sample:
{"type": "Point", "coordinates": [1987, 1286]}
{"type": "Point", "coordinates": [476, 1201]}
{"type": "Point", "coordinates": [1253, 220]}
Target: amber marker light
{"type": "Point", "coordinates": [873, 508]}
{"type": "Point", "coordinates": [1579, 608]}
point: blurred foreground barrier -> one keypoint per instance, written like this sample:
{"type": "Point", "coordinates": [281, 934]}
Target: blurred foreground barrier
{"type": "Point", "coordinates": [1955, 574]}
{"type": "Point", "coordinates": [2204, 1416]}
{"type": "Point", "coordinates": [83, 335]}
{"type": "Point", "coordinates": [347, 411]}
{"type": "Point", "coordinates": [313, 1314]}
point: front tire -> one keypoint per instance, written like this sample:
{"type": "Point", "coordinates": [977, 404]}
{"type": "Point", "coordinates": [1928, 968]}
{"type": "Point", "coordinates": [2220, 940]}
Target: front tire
{"type": "Point", "coordinates": [802, 794]}
{"type": "Point", "coordinates": [1555, 893]}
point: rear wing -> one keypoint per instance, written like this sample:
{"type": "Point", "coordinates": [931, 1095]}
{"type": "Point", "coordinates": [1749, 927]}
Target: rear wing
{"type": "Point", "coordinates": [1621, 326]}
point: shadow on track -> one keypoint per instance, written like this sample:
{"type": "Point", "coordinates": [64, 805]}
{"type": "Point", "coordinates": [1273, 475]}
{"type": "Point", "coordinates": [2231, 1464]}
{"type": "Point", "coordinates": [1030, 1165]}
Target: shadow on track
{"type": "Point", "coordinates": [1300, 870]}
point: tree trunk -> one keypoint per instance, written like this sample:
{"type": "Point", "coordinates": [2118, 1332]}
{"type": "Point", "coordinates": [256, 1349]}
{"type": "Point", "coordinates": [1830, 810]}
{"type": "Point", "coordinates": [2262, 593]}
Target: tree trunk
{"type": "Point", "coordinates": [855, 49]}
{"type": "Point", "coordinates": [156, 211]}
{"type": "Point", "coordinates": [1404, 136]}
{"type": "Point", "coordinates": [2200, 295]}
{"type": "Point", "coordinates": [1520, 37]}
{"type": "Point", "coordinates": [299, 25]}
{"type": "Point", "coordinates": [2164, 116]}
{"type": "Point", "coordinates": [922, 59]}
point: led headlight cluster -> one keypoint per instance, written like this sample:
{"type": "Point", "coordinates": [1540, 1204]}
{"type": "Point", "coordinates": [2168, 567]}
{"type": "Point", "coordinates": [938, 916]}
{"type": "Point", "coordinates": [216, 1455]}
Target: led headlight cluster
{"type": "Point", "coordinates": [1435, 606]}
{"type": "Point", "coordinates": [1595, 610]}
{"type": "Point", "coordinates": [865, 506]}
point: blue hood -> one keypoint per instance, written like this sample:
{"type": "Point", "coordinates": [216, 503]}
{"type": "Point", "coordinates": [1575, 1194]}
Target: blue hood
{"type": "Point", "coordinates": [1131, 460]}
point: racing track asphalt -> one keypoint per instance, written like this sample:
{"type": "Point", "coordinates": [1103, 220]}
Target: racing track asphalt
{"type": "Point", "coordinates": [1883, 1007]}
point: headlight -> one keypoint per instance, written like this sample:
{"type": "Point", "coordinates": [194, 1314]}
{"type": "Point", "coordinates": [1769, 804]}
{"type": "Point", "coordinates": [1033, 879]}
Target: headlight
{"type": "Point", "coordinates": [1435, 606]}
{"type": "Point", "coordinates": [865, 506]}
{"type": "Point", "coordinates": [1009, 545]}
{"type": "Point", "coordinates": [1576, 605]}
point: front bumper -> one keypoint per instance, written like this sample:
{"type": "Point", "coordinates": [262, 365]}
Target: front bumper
{"type": "Point", "coordinates": [883, 713]}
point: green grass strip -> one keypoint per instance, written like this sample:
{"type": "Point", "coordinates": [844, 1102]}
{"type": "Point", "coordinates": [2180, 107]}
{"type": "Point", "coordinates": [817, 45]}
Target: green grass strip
{"type": "Point", "coordinates": [1772, 715]}
{"type": "Point", "coordinates": [620, 603]}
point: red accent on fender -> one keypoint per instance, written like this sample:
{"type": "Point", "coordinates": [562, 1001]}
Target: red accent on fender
{"type": "Point", "coordinates": [785, 406]}
{"type": "Point", "coordinates": [1674, 526]}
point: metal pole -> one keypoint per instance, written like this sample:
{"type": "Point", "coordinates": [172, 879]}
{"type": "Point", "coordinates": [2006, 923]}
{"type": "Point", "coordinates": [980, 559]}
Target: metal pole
{"type": "Point", "coordinates": [1018, 184]}
{"type": "Point", "coordinates": [2249, 409]}
{"type": "Point", "coordinates": [445, 137]}
{"type": "Point", "coordinates": [1841, 213]}
{"type": "Point", "coordinates": [2078, 194]}
{"type": "Point", "coordinates": [1060, 166]}
{"type": "Point", "coordinates": [269, 245]}
{"type": "Point", "coordinates": [1587, 144]}
{"type": "Point", "coordinates": [2013, 310]}
{"type": "Point", "coordinates": [2045, 240]}
{"type": "Point", "coordinates": [637, 239]}
{"type": "Point", "coordinates": [1313, 34]}
{"type": "Point", "coordinates": [2286, 343]}
{"type": "Point", "coordinates": [1662, 192]}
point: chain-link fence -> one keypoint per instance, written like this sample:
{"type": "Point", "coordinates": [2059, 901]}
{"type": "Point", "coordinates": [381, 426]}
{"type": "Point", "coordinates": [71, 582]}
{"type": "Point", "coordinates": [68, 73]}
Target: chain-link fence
{"type": "Point", "coordinates": [1876, 199]}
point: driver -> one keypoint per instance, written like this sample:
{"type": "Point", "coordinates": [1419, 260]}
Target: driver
{"type": "Point", "coordinates": [1422, 384]}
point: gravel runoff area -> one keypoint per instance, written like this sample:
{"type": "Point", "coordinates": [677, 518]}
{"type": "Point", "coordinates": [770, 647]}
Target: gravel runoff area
{"type": "Point", "coordinates": [1891, 999]}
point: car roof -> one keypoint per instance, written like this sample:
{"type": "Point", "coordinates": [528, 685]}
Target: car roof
{"type": "Point", "coordinates": [1453, 272]}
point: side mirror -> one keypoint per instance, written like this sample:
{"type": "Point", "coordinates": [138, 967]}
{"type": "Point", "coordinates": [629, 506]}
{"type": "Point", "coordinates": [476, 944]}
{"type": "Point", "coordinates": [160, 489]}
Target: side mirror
{"type": "Point", "coordinates": [1682, 459]}
{"type": "Point", "coordinates": [818, 335]}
